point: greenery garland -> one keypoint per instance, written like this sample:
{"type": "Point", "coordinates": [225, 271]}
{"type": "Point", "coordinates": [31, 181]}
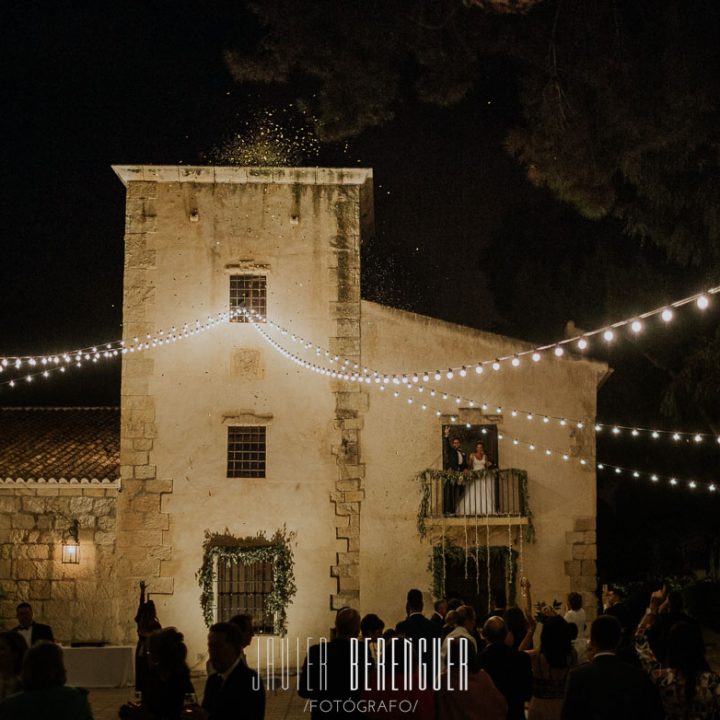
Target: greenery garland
{"type": "Point", "coordinates": [247, 551]}
{"type": "Point", "coordinates": [429, 476]}
{"type": "Point", "coordinates": [455, 554]}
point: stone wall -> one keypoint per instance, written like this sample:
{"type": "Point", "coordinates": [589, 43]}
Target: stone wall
{"type": "Point", "coordinates": [78, 601]}
{"type": "Point", "coordinates": [582, 567]}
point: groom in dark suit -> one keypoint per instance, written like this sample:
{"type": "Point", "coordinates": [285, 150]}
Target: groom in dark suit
{"type": "Point", "coordinates": [453, 459]}
{"type": "Point", "coordinates": [608, 688]}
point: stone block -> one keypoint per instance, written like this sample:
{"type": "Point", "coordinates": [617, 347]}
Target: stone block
{"type": "Point", "coordinates": [146, 504]}
{"type": "Point", "coordinates": [356, 401]}
{"type": "Point", "coordinates": [349, 532]}
{"type": "Point", "coordinates": [341, 521]}
{"type": "Point", "coordinates": [104, 506]}
{"type": "Point", "coordinates": [104, 538]}
{"type": "Point", "coordinates": [22, 521]}
{"type": "Point", "coordinates": [47, 492]}
{"type": "Point", "coordinates": [355, 496]}
{"type": "Point", "coordinates": [348, 328]}
{"type": "Point", "coordinates": [31, 569]}
{"type": "Point", "coordinates": [142, 444]}
{"type": "Point", "coordinates": [344, 310]}
{"type": "Point", "coordinates": [34, 505]}
{"type": "Point", "coordinates": [106, 523]}
{"type": "Point", "coordinates": [582, 524]}
{"type": "Point", "coordinates": [93, 492]}
{"type": "Point", "coordinates": [348, 485]}
{"type": "Point", "coordinates": [130, 488]}
{"type": "Point", "coordinates": [346, 584]}
{"type": "Point", "coordinates": [40, 589]}
{"type": "Point", "coordinates": [353, 544]}
{"type": "Point", "coordinates": [163, 585]}
{"type": "Point", "coordinates": [574, 537]}
{"type": "Point", "coordinates": [134, 457]}
{"type": "Point", "coordinates": [38, 552]}
{"type": "Point", "coordinates": [63, 590]}
{"type": "Point", "coordinates": [584, 583]}
{"type": "Point", "coordinates": [9, 504]}
{"type": "Point", "coordinates": [346, 347]}
{"type": "Point", "coordinates": [145, 472]}
{"type": "Point", "coordinates": [126, 472]}
{"type": "Point", "coordinates": [584, 552]}
{"type": "Point", "coordinates": [347, 508]}
{"type": "Point", "coordinates": [164, 485]}
{"type": "Point", "coordinates": [86, 522]}
{"type": "Point", "coordinates": [590, 537]}
{"type": "Point", "coordinates": [156, 521]}
{"type": "Point", "coordinates": [344, 600]}
{"type": "Point", "coordinates": [81, 505]}
{"type": "Point", "coordinates": [589, 567]}
{"type": "Point", "coordinates": [68, 492]}
{"type": "Point", "coordinates": [573, 568]}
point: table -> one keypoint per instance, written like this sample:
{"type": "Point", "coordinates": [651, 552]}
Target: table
{"type": "Point", "coordinates": [99, 667]}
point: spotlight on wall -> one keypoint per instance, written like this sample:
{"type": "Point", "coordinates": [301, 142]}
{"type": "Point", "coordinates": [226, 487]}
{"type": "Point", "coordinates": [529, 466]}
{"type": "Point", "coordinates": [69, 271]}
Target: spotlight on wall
{"type": "Point", "coordinates": [71, 545]}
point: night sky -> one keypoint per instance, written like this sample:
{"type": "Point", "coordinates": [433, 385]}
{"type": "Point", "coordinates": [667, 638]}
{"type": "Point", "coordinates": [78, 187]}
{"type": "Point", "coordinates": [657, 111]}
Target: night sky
{"type": "Point", "coordinates": [93, 84]}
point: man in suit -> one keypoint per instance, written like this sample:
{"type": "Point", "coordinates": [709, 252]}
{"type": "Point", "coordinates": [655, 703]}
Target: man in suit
{"type": "Point", "coordinates": [234, 690]}
{"type": "Point", "coordinates": [608, 688]}
{"type": "Point", "coordinates": [417, 626]}
{"type": "Point", "coordinates": [326, 673]}
{"type": "Point", "coordinates": [32, 632]}
{"type": "Point", "coordinates": [438, 617]}
{"type": "Point", "coordinates": [455, 460]}
{"type": "Point", "coordinates": [613, 605]}
{"type": "Point", "coordinates": [509, 669]}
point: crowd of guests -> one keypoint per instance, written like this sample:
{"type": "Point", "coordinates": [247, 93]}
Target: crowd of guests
{"type": "Point", "coordinates": [653, 671]}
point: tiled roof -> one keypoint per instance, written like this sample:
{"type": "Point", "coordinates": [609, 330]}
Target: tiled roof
{"type": "Point", "coordinates": [61, 444]}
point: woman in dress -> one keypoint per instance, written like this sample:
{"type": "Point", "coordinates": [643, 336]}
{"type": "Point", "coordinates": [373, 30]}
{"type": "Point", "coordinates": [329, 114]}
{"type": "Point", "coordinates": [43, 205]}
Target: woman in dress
{"type": "Point", "coordinates": [479, 495]}
{"type": "Point", "coordinates": [687, 686]}
{"type": "Point", "coordinates": [147, 622]}
{"type": "Point", "coordinates": [550, 667]}
{"type": "Point", "coordinates": [168, 683]}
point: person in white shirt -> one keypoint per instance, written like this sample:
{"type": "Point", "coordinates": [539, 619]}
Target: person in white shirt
{"type": "Point", "coordinates": [576, 616]}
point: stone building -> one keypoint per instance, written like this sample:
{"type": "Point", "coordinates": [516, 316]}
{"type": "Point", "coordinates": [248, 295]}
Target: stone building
{"type": "Point", "coordinates": [229, 440]}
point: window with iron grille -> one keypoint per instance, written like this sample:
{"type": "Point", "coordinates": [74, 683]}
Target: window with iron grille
{"type": "Point", "coordinates": [243, 589]}
{"type": "Point", "coordinates": [246, 452]}
{"type": "Point", "coordinates": [248, 292]}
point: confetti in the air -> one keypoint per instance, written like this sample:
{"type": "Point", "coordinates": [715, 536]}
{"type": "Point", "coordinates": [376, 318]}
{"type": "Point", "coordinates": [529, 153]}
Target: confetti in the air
{"type": "Point", "coordinates": [269, 138]}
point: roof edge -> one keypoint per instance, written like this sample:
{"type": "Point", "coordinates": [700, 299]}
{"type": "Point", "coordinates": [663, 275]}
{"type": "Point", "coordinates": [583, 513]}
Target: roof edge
{"type": "Point", "coordinates": [599, 365]}
{"type": "Point", "coordinates": [242, 175]}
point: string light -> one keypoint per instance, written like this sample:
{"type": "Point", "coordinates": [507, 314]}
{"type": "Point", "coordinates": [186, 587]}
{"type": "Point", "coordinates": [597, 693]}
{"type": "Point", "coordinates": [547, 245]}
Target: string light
{"type": "Point", "coordinates": [350, 377]}
{"type": "Point", "coordinates": [108, 351]}
{"type": "Point", "coordinates": [573, 423]}
{"type": "Point", "coordinates": [582, 341]}
{"type": "Point", "coordinates": [656, 478]}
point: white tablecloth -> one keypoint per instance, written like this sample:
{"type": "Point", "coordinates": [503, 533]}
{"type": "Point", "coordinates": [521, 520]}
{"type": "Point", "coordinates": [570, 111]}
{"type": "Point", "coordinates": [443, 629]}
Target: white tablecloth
{"type": "Point", "coordinates": [98, 667]}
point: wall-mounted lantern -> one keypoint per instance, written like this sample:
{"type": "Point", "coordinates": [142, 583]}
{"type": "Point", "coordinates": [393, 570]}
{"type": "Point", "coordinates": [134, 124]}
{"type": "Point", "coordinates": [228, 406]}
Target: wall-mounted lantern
{"type": "Point", "coordinates": [71, 545]}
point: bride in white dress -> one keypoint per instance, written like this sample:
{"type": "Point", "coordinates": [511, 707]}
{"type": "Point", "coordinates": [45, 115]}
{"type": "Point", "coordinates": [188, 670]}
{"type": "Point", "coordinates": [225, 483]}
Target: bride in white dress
{"type": "Point", "coordinates": [479, 495]}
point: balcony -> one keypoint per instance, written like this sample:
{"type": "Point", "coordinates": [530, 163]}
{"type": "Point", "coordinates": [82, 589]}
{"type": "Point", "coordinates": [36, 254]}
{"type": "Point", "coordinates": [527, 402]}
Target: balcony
{"type": "Point", "coordinates": [493, 497]}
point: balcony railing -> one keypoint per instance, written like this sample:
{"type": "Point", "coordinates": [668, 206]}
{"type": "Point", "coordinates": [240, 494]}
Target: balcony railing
{"type": "Point", "coordinates": [490, 493]}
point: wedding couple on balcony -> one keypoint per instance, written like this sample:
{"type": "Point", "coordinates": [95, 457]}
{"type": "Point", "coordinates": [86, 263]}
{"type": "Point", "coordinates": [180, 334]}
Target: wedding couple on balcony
{"type": "Point", "coordinates": [477, 495]}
